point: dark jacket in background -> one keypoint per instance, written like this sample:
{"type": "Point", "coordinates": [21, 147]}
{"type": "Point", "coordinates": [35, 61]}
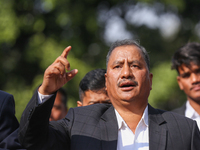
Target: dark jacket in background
{"type": "Point", "coordinates": [8, 123]}
{"type": "Point", "coordinates": [180, 110]}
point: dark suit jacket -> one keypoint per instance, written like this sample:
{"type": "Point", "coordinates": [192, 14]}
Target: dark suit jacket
{"type": "Point", "coordinates": [95, 127]}
{"type": "Point", "coordinates": [180, 110]}
{"type": "Point", "coordinates": [8, 123]}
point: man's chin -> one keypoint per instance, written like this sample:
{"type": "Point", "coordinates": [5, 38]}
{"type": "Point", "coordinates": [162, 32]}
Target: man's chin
{"type": "Point", "coordinates": [196, 98]}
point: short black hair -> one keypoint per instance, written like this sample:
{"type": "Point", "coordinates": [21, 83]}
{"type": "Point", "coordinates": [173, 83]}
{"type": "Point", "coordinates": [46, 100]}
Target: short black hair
{"type": "Point", "coordinates": [63, 92]}
{"type": "Point", "coordinates": [185, 55]}
{"type": "Point", "coordinates": [129, 42]}
{"type": "Point", "coordinates": [94, 81]}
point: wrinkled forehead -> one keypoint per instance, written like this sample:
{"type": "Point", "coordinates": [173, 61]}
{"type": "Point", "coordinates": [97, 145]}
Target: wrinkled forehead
{"type": "Point", "coordinates": [127, 51]}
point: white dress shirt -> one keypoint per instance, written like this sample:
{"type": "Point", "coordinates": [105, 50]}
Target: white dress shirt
{"type": "Point", "coordinates": [127, 140]}
{"type": "Point", "coordinates": [192, 114]}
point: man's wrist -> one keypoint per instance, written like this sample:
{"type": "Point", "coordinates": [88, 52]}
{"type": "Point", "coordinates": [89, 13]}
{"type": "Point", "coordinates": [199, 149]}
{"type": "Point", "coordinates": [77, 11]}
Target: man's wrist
{"type": "Point", "coordinates": [42, 98]}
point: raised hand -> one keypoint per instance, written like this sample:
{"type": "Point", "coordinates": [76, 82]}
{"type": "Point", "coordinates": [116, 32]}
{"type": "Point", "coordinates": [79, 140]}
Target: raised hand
{"type": "Point", "coordinates": [55, 75]}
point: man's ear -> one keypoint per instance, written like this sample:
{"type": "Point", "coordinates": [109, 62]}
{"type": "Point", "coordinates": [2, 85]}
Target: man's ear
{"type": "Point", "coordinates": [179, 82]}
{"type": "Point", "coordinates": [79, 103]}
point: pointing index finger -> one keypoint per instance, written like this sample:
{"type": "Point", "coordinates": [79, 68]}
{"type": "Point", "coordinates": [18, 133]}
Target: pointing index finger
{"type": "Point", "coordinates": [66, 51]}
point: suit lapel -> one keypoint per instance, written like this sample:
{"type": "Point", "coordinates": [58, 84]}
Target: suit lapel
{"type": "Point", "coordinates": [157, 130]}
{"type": "Point", "coordinates": [109, 130]}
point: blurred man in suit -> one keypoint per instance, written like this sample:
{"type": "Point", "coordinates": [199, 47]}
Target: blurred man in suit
{"type": "Point", "coordinates": [92, 88]}
{"type": "Point", "coordinates": [8, 123]}
{"type": "Point", "coordinates": [186, 61]}
{"type": "Point", "coordinates": [59, 109]}
{"type": "Point", "coordinates": [126, 124]}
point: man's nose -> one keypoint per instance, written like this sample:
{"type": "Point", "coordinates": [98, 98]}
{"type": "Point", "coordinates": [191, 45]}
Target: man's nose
{"type": "Point", "coordinates": [126, 71]}
{"type": "Point", "coordinates": [195, 77]}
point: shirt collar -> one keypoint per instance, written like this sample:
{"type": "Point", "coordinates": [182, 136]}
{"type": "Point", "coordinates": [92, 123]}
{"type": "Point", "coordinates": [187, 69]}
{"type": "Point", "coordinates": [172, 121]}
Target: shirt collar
{"type": "Point", "coordinates": [190, 112]}
{"type": "Point", "coordinates": [122, 123]}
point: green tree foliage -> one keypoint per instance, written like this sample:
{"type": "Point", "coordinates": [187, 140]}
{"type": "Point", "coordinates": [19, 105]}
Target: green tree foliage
{"type": "Point", "coordinates": [165, 93]}
{"type": "Point", "coordinates": [34, 33]}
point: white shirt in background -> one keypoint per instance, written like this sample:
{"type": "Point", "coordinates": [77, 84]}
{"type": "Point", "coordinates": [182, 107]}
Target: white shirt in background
{"type": "Point", "coordinates": [192, 114]}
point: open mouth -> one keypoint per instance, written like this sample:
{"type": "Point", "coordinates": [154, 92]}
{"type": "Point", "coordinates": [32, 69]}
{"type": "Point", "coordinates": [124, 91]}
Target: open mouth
{"type": "Point", "coordinates": [127, 84]}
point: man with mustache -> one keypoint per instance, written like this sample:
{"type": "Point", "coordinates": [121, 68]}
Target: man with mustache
{"type": "Point", "coordinates": [130, 123]}
{"type": "Point", "coordinates": [186, 61]}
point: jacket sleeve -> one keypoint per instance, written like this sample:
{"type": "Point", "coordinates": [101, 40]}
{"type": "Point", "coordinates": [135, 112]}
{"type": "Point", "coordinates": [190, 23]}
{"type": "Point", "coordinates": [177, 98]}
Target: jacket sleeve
{"type": "Point", "coordinates": [36, 132]}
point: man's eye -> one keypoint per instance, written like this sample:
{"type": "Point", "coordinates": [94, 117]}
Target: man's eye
{"type": "Point", "coordinates": [57, 107]}
{"type": "Point", "coordinates": [198, 71]}
{"type": "Point", "coordinates": [186, 75]}
{"type": "Point", "coordinates": [135, 66]}
{"type": "Point", "coordinates": [117, 66]}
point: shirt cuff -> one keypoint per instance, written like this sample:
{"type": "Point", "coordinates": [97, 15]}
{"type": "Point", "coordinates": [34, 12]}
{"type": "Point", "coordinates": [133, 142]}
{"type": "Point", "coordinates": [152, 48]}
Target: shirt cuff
{"type": "Point", "coordinates": [42, 98]}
